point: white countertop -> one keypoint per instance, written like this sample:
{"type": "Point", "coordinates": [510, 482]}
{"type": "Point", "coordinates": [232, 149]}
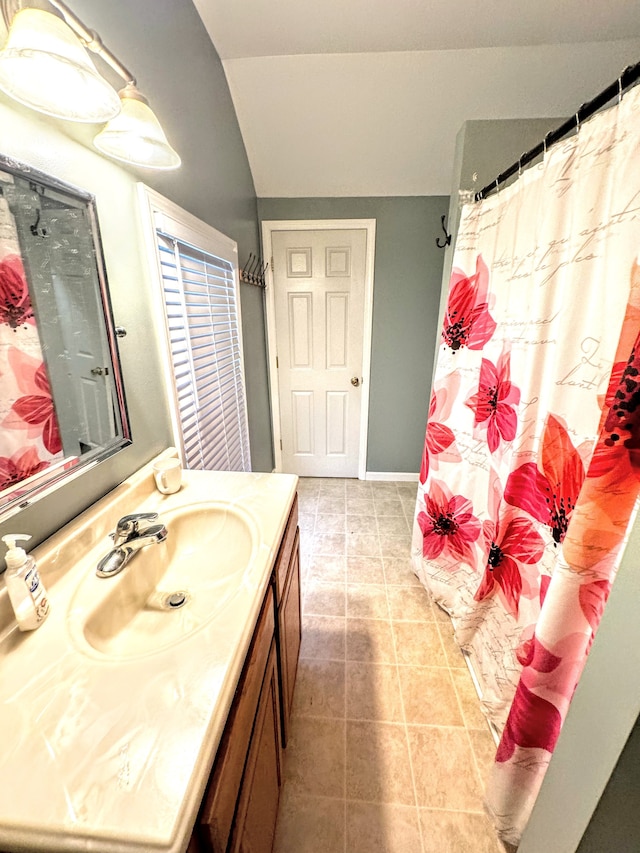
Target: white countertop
{"type": "Point", "coordinates": [113, 755]}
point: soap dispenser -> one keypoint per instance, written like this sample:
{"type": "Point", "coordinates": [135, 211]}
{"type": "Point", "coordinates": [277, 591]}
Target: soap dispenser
{"type": "Point", "coordinates": [26, 591]}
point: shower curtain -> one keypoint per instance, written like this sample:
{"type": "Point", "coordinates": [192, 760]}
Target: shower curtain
{"type": "Point", "coordinates": [530, 470]}
{"type": "Point", "coordinates": [29, 432]}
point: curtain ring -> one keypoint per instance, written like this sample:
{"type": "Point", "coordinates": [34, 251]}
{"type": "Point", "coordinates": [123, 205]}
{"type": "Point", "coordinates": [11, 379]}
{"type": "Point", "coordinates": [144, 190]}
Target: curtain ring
{"type": "Point", "coordinates": [619, 90]}
{"type": "Point", "coordinates": [520, 166]}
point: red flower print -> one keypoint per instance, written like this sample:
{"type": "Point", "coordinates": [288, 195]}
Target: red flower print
{"type": "Point", "coordinates": [508, 542]}
{"type": "Point", "coordinates": [37, 410]}
{"type": "Point", "coordinates": [549, 495]}
{"type": "Point", "coordinates": [15, 302]}
{"type": "Point", "coordinates": [467, 322]}
{"type": "Point", "coordinates": [438, 436]}
{"type": "Point", "coordinates": [494, 403]}
{"type": "Point", "coordinates": [23, 464]}
{"type": "Point", "coordinates": [593, 597]}
{"type": "Point", "coordinates": [448, 525]}
{"type": "Point", "coordinates": [533, 723]}
{"type": "Point", "coordinates": [622, 426]}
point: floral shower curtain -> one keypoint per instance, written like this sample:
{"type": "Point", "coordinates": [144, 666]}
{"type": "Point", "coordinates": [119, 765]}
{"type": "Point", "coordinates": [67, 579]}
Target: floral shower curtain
{"type": "Point", "coordinates": [29, 433]}
{"type": "Point", "coordinates": [530, 470]}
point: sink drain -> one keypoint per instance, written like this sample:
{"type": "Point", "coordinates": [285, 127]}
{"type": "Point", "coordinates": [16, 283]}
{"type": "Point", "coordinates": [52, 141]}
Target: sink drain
{"type": "Point", "coordinates": [175, 599]}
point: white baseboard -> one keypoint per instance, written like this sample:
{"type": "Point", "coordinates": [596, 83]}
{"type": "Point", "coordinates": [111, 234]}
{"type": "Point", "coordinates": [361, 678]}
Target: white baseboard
{"type": "Point", "coordinates": [390, 477]}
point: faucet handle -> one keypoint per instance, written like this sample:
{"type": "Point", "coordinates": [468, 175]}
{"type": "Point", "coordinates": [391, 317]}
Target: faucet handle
{"type": "Point", "coordinates": [128, 525]}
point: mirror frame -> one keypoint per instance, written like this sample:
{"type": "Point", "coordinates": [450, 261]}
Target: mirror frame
{"type": "Point", "coordinates": [26, 492]}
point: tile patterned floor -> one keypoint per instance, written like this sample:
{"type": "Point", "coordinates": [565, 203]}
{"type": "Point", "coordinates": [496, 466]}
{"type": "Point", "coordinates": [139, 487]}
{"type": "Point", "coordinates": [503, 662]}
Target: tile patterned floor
{"type": "Point", "coordinates": [388, 748]}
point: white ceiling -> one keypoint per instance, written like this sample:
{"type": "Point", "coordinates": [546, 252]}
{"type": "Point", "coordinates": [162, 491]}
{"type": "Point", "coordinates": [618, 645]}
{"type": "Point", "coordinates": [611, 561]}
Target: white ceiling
{"type": "Point", "coordinates": [365, 97]}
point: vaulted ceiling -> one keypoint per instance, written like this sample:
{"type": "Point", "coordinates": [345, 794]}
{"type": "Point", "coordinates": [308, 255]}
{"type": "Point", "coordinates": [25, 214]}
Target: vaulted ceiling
{"type": "Point", "coordinates": [365, 97]}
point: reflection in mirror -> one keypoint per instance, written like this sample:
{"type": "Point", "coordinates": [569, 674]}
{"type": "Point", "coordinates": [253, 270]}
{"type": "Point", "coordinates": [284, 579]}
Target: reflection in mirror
{"type": "Point", "coordinates": [62, 405]}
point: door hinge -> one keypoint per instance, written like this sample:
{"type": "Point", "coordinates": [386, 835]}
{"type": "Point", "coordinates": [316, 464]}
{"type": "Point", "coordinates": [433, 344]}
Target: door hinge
{"type": "Point", "coordinates": [277, 365]}
{"type": "Point", "coordinates": [280, 444]}
{"type": "Point", "coordinates": [273, 269]}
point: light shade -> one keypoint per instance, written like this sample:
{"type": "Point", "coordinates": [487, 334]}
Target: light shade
{"type": "Point", "coordinates": [135, 135]}
{"type": "Point", "coordinates": [44, 65]}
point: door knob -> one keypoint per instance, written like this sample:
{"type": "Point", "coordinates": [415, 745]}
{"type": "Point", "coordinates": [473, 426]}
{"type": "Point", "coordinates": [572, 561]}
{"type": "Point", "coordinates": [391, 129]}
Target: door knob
{"type": "Point", "coordinates": [355, 381]}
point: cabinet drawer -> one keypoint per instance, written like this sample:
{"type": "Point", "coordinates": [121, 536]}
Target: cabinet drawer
{"type": "Point", "coordinates": [255, 822]}
{"type": "Point", "coordinates": [286, 549]}
{"type": "Point", "coordinates": [219, 804]}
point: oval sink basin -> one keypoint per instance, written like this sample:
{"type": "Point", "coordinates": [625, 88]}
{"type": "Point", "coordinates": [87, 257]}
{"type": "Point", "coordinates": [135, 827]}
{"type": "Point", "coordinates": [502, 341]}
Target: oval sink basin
{"type": "Point", "coordinates": [169, 590]}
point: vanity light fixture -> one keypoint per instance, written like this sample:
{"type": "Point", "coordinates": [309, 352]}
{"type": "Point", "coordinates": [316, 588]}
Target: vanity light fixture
{"type": "Point", "coordinates": [135, 135]}
{"type": "Point", "coordinates": [44, 64]}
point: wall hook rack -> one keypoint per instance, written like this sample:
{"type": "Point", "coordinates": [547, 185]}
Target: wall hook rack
{"type": "Point", "coordinates": [254, 271]}
{"type": "Point", "coordinates": [447, 240]}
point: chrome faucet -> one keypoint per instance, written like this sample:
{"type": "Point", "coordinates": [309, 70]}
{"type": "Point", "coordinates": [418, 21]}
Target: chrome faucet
{"type": "Point", "coordinates": [132, 533]}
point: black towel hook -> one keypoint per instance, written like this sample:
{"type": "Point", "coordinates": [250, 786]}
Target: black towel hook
{"type": "Point", "coordinates": [446, 234]}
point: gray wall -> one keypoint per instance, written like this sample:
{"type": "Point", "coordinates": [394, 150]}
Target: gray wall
{"type": "Point", "coordinates": [406, 293]}
{"type": "Point", "coordinates": [166, 46]}
{"type": "Point", "coordinates": [615, 824]}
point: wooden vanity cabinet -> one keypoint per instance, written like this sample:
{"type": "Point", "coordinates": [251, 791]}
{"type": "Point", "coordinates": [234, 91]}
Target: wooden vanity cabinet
{"type": "Point", "coordinates": [288, 622]}
{"type": "Point", "coordinates": [240, 805]}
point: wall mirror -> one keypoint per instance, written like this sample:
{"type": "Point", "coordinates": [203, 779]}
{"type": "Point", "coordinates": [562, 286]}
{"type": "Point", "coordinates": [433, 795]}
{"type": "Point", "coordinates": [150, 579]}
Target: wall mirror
{"type": "Point", "coordinates": [62, 403]}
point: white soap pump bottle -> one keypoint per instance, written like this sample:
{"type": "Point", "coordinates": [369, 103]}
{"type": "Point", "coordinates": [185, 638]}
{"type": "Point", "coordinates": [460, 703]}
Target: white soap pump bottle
{"type": "Point", "coordinates": [26, 591]}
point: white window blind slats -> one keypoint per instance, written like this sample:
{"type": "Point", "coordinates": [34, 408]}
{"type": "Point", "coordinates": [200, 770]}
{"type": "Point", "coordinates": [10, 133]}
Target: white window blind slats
{"type": "Point", "coordinates": [204, 337]}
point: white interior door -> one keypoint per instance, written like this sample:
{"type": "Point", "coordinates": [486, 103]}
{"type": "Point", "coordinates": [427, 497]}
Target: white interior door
{"type": "Point", "coordinates": [319, 284]}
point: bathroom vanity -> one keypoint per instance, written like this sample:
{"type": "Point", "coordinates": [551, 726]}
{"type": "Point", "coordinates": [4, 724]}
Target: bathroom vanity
{"type": "Point", "coordinates": [130, 726]}
{"type": "Point", "coordinates": [240, 805]}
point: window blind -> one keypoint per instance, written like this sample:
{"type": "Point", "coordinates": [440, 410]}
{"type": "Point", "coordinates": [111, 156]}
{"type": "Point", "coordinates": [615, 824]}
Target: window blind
{"type": "Point", "coordinates": [203, 323]}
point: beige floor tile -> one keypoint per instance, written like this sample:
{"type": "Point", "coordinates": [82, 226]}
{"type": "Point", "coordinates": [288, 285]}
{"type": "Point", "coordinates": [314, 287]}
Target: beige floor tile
{"type": "Point", "coordinates": [320, 689]}
{"type": "Point", "coordinates": [378, 763]}
{"type": "Point", "coordinates": [328, 568]}
{"type": "Point", "coordinates": [370, 640]}
{"type": "Point", "coordinates": [324, 599]}
{"type": "Point", "coordinates": [331, 503]}
{"type": "Point", "coordinates": [410, 604]}
{"type": "Point", "coordinates": [358, 505]}
{"type": "Point", "coordinates": [330, 522]}
{"type": "Point", "coordinates": [308, 484]}
{"type": "Point", "coordinates": [395, 546]}
{"type": "Point", "coordinates": [386, 504]}
{"type": "Point", "coordinates": [398, 572]}
{"type": "Point", "coordinates": [307, 503]}
{"type": "Point", "coordinates": [358, 487]}
{"type": "Point", "coordinates": [315, 757]}
{"type": "Point", "coordinates": [306, 522]}
{"type": "Point", "coordinates": [365, 570]}
{"type": "Point", "coordinates": [323, 638]}
{"type": "Point", "coordinates": [418, 644]}
{"type": "Point", "coordinates": [393, 525]}
{"type": "Point", "coordinates": [309, 824]}
{"type": "Point", "coordinates": [367, 601]}
{"type": "Point", "coordinates": [363, 544]}
{"type": "Point", "coordinates": [328, 543]}
{"type": "Point", "coordinates": [452, 650]}
{"type": "Point", "coordinates": [444, 769]}
{"type": "Point", "coordinates": [469, 701]}
{"type": "Point", "coordinates": [384, 487]}
{"type": "Point", "coordinates": [457, 832]}
{"type": "Point", "coordinates": [429, 696]}
{"type": "Point", "coordinates": [484, 748]}
{"type": "Point", "coordinates": [409, 507]}
{"type": "Point", "coordinates": [360, 525]}
{"type": "Point", "coordinates": [332, 486]}
{"type": "Point", "coordinates": [382, 828]}
{"type": "Point", "coordinates": [373, 692]}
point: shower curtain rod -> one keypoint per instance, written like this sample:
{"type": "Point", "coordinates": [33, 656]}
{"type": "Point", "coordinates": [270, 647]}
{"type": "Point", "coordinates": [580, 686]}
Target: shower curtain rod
{"type": "Point", "coordinates": [627, 78]}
